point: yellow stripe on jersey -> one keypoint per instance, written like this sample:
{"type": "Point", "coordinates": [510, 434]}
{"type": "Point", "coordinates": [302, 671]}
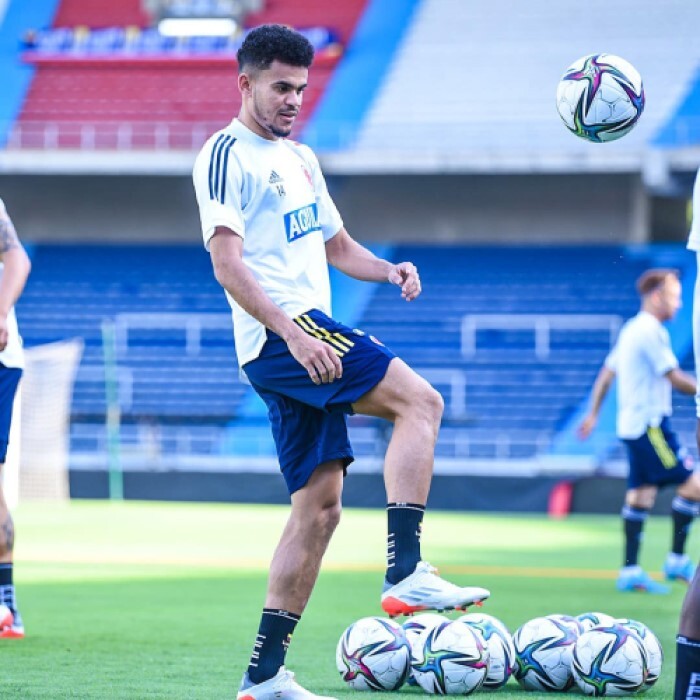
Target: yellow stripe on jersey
{"type": "Point", "coordinates": [345, 344]}
{"type": "Point", "coordinates": [661, 447]}
{"type": "Point", "coordinates": [317, 334]}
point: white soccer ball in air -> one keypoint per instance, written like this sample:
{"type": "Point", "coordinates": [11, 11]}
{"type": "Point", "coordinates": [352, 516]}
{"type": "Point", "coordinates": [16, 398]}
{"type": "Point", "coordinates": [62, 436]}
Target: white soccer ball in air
{"type": "Point", "coordinates": [600, 97]}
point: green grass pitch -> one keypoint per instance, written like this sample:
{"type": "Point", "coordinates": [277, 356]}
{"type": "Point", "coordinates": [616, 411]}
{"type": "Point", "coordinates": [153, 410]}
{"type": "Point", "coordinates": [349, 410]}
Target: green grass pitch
{"type": "Point", "coordinates": [161, 600]}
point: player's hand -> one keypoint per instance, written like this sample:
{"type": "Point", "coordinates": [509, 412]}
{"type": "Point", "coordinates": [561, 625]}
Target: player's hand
{"type": "Point", "coordinates": [3, 332]}
{"type": "Point", "coordinates": [317, 358]}
{"type": "Point", "coordinates": [405, 275]}
{"type": "Point", "coordinates": [587, 426]}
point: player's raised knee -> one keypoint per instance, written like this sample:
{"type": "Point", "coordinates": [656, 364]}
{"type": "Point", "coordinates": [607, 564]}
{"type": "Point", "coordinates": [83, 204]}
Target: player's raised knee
{"type": "Point", "coordinates": [431, 404]}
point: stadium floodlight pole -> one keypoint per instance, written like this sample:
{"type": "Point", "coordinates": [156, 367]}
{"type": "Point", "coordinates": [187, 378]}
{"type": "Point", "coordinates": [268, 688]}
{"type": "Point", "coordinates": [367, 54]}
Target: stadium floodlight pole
{"type": "Point", "coordinates": [113, 412]}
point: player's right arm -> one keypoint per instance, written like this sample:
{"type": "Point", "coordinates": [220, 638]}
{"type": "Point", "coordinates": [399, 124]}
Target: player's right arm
{"type": "Point", "coordinates": [16, 270]}
{"type": "Point", "coordinates": [602, 384]}
{"type": "Point", "coordinates": [317, 357]}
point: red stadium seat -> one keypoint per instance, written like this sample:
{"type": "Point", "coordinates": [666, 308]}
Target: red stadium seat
{"type": "Point", "coordinates": [176, 105]}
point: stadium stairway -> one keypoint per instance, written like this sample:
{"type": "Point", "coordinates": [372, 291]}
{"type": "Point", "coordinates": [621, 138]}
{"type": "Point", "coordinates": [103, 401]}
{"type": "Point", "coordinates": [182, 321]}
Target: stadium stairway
{"type": "Point", "coordinates": [16, 76]}
{"type": "Point", "coordinates": [355, 83]}
{"type": "Point", "coordinates": [683, 126]}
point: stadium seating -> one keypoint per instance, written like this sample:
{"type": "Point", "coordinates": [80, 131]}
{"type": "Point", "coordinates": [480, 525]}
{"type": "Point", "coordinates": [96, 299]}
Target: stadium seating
{"type": "Point", "coordinates": [161, 376]}
{"type": "Point", "coordinates": [497, 97]}
{"type": "Point", "coordinates": [103, 101]}
{"type": "Point", "coordinates": [510, 405]}
{"type": "Point", "coordinates": [515, 400]}
{"type": "Point", "coordinates": [98, 13]}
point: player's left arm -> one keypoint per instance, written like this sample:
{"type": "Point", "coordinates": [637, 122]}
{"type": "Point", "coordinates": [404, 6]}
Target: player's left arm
{"type": "Point", "coordinates": [353, 259]}
{"type": "Point", "coordinates": [16, 270]}
{"type": "Point", "coordinates": [682, 381]}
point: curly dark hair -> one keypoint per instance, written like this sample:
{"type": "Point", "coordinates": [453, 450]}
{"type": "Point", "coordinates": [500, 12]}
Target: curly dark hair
{"type": "Point", "coordinates": [270, 42]}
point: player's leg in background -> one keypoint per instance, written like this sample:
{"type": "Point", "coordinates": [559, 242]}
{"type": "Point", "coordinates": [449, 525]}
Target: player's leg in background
{"type": "Point", "coordinates": [9, 380]}
{"type": "Point", "coordinates": [315, 514]}
{"type": "Point", "coordinates": [638, 502]}
{"type": "Point", "coordinates": [684, 509]}
{"type": "Point", "coordinates": [415, 408]}
{"type": "Point", "coordinates": [11, 627]}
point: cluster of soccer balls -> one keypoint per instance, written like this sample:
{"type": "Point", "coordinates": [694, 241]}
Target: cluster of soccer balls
{"type": "Point", "coordinates": [601, 655]}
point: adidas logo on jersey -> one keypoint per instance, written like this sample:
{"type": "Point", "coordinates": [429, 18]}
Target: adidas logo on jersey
{"type": "Point", "coordinates": [275, 178]}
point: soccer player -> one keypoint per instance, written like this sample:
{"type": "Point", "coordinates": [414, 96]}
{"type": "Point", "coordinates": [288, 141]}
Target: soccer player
{"type": "Point", "coordinates": [272, 229]}
{"type": "Point", "coordinates": [646, 369]}
{"type": "Point", "coordinates": [15, 270]}
{"type": "Point", "coordinates": [688, 640]}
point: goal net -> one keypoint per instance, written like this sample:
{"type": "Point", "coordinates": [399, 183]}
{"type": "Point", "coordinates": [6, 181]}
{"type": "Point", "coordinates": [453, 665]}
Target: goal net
{"type": "Point", "coordinates": [37, 464]}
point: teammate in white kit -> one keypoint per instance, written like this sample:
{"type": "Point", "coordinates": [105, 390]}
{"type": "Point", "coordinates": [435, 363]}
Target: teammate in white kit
{"type": "Point", "coordinates": [688, 640]}
{"type": "Point", "coordinates": [272, 229]}
{"type": "Point", "coordinates": [646, 369]}
{"type": "Point", "coordinates": [15, 270]}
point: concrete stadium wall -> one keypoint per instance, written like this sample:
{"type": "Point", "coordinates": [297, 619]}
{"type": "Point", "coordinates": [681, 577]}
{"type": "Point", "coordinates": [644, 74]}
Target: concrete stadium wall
{"type": "Point", "coordinates": [420, 209]}
{"type": "Point", "coordinates": [495, 208]}
{"type": "Point", "coordinates": [465, 493]}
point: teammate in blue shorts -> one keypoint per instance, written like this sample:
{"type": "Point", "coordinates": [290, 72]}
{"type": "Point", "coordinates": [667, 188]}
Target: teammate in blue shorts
{"type": "Point", "coordinates": [272, 229]}
{"type": "Point", "coordinates": [646, 369]}
{"type": "Point", "coordinates": [14, 270]}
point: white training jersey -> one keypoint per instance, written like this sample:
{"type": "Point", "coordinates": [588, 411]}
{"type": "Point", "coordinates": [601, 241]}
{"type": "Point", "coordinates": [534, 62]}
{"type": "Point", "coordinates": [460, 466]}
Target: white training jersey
{"type": "Point", "coordinates": [273, 195]}
{"type": "Point", "coordinates": [641, 357]}
{"type": "Point", "coordinates": [12, 355]}
{"type": "Point", "coordinates": [694, 237]}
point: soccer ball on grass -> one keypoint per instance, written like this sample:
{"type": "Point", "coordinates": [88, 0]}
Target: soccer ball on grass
{"type": "Point", "coordinates": [373, 654]}
{"type": "Point", "coordinates": [652, 645]}
{"type": "Point", "coordinates": [609, 662]}
{"type": "Point", "coordinates": [500, 646]}
{"type": "Point", "coordinates": [543, 648]}
{"type": "Point", "coordinates": [450, 659]}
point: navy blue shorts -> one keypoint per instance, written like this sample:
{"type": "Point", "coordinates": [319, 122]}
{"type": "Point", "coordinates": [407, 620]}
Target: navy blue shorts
{"type": "Point", "coordinates": [657, 459]}
{"type": "Point", "coordinates": [309, 421]}
{"type": "Point", "coordinates": [9, 379]}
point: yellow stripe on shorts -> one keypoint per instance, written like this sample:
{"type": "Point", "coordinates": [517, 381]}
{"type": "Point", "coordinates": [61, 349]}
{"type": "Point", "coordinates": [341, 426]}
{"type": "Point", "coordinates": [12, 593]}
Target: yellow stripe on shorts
{"type": "Point", "coordinates": [336, 338]}
{"type": "Point", "coordinates": [661, 447]}
{"type": "Point", "coordinates": [316, 333]}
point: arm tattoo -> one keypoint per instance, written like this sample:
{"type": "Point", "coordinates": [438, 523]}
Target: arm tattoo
{"type": "Point", "coordinates": [8, 534]}
{"type": "Point", "coordinates": [8, 235]}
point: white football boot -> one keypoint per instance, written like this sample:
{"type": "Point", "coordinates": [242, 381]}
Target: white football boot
{"type": "Point", "coordinates": [425, 590]}
{"type": "Point", "coordinates": [280, 687]}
